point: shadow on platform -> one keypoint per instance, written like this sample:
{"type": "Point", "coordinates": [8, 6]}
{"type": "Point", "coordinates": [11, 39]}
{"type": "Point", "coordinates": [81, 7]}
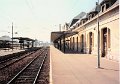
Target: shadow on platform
{"type": "Point", "coordinates": [70, 51]}
{"type": "Point", "coordinates": [109, 69]}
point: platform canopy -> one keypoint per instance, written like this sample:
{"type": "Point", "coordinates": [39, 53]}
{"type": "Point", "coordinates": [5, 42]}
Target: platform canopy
{"type": "Point", "coordinates": [57, 35]}
{"type": "Point", "coordinates": [24, 38]}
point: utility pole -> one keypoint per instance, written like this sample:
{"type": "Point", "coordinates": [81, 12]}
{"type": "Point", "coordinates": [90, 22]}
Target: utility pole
{"type": "Point", "coordinates": [12, 35]}
{"type": "Point", "coordinates": [60, 27]}
{"type": "Point", "coordinates": [98, 64]}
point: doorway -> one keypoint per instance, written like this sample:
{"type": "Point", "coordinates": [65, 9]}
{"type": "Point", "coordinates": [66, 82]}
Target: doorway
{"type": "Point", "coordinates": [90, 42]}
{"type": "Point", "coordinates": [82, 43]}
{"type": "Point", "coordinates": [105, 34]}
{"type": "Point", "coordinates": [73, 43]}
{"type": "Point", "coordinates": [77, 43]}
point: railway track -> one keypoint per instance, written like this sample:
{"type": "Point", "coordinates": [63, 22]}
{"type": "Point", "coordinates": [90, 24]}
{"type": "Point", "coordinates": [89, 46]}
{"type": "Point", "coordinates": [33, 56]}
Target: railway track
{"type": "Point", "coordinates": [10, 68]}
{"type": "Point", "coordinates": [17, 55]}
{"type": "Point", "coordinates": [7, 62]}
{"type": "Point", "coordinates": [10, 61]}
{"type": "Point", "coordinates": [30, 73]}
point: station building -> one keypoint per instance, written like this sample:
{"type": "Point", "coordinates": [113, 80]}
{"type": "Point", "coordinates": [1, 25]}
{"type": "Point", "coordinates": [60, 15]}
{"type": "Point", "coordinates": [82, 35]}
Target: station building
{"type": "Point", "coordinates": [82, 34]}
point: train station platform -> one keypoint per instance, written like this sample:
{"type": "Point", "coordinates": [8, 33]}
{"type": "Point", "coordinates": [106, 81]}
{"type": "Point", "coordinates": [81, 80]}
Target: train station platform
{"type": "Point", "coordinates": [10, 51]}
{"type": "Point", "coordinates": [81, 69]}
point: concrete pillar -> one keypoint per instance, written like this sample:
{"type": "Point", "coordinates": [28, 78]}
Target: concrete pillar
{"type": "Point", "coordinates": [32, 43]}
{"type": "Point", "coordinates": [60, 43]}
{"type": "Point", "coordinates": [23, 44]}
{"type": "Point", "coordinates": [57, 44]}
{"type": "Point", "coordinates": [64, 43]}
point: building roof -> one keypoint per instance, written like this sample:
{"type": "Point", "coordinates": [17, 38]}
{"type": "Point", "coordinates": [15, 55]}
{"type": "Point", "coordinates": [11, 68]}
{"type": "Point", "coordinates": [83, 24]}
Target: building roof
{"type": "Point", "coordinates": [95, 10]}
{"type": "Point", "coordinates": [112, 1]}
{"type": "Point", "coordinates": [76, 18]}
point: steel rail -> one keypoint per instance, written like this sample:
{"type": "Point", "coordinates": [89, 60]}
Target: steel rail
{"type": "Point", "coordinates": [17, 59]}
{"type": "Point", "coordinates": [40, 69]}
{"type": "Point", "coordinates": [14, 57]}
{"type": "Point", "coordinates": [23, 69]}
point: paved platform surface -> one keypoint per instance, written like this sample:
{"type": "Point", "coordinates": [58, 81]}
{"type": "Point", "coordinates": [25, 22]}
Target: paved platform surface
{"type": "Point", "coordinates": [81, 69]}
{"type": "Point", "coordinates": [6, 52]}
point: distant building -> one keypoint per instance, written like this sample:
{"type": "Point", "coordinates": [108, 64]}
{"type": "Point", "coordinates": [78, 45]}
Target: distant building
{"type": "Point", "coordinates": [5, 38]}
{"type": "Point", "coordinates": [6, 42]}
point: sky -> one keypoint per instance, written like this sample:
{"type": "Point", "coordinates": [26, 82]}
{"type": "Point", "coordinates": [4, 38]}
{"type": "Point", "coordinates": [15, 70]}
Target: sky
{"type": "Point", "coordinates": [36, 19]}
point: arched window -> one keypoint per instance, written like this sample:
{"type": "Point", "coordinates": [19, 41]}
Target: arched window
{"type": "Point", "coordinates": [91, 41]}
{"type": "Point", "coordinates": [70, 43]}
{"type": "Point", "coordinates": [82, 43]}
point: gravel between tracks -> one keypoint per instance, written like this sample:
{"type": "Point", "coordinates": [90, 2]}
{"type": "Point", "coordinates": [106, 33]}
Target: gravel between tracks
{"type": "Point", "coordinates": [44, 75]}
{"type": "Point", "coordinates": [7, 73]}
{"type": "Point", "coordinates": [43, 78]}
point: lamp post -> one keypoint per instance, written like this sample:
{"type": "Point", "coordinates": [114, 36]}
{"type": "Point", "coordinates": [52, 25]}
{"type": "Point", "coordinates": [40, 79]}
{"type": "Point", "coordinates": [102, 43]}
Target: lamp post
{"type": "Point", "coordinates": [98, 32]}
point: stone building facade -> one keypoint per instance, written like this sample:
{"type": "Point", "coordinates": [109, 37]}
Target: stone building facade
{"type": "Point", "coordinates": [86, 40]}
